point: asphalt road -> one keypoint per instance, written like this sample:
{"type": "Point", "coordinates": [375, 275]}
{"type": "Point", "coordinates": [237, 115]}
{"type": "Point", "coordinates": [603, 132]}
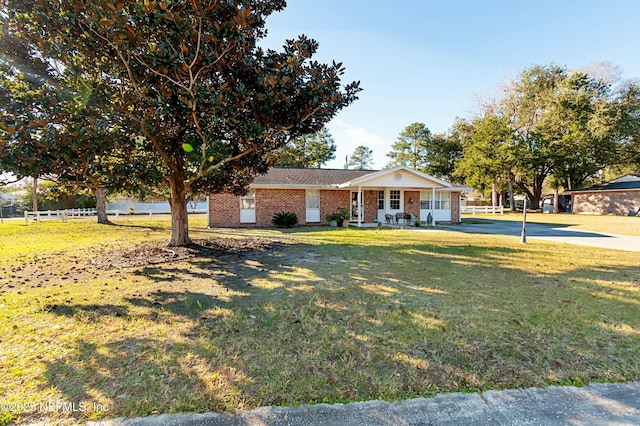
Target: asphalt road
{"type": "Point", "coordinates": [550, 233]}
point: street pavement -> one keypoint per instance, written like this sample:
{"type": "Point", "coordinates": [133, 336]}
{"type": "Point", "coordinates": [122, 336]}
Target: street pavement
{"type": "Point", "coordinates": [554, 233]}
{"type": "Point", "coordinates": [597, 404]}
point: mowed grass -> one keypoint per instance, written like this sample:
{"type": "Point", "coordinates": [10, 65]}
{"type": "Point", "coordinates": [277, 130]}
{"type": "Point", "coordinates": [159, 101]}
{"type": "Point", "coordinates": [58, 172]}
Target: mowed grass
{"type": "Point", "coordinates": [332, 316]}
{"type": "Point", "coordinates": [622, 225]}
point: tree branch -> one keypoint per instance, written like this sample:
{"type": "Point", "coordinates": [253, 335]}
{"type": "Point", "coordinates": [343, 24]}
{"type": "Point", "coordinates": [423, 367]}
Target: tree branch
{"type": "Point", "coordinates": [159, 74]}
{"type": "Point", "coordinates": [122, 59]}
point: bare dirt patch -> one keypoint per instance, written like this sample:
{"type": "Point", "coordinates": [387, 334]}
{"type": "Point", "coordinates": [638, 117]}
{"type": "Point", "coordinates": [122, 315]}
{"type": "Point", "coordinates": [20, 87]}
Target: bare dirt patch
{"type": "Point", "coordinates": [161, 253]}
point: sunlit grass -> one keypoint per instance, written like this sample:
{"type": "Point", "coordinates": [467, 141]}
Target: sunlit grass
{"type": "Point", "coordinates": [335, 315]}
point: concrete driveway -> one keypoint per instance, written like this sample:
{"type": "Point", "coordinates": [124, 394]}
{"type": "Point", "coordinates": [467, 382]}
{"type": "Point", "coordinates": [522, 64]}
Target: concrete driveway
{"type": "Point", "coordinates": [554, 233]}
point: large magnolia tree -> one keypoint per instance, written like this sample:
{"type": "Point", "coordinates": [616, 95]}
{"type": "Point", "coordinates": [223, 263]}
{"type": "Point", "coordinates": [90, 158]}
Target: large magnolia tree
{"type": "Point", "coordinates": [210, 106]}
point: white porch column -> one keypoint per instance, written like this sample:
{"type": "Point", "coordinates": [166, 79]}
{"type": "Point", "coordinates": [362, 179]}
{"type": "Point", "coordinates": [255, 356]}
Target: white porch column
{"type": "Point", "coordinates": [359, 206]}
{"type": "Point", "coordinates": [433, 206]}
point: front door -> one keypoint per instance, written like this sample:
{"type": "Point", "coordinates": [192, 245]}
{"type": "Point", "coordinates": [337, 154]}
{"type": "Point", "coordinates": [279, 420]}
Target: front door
{"type": "Point", "coordinates": [381, 206]}
{"type": "Point", "coordinates": [354, 206]}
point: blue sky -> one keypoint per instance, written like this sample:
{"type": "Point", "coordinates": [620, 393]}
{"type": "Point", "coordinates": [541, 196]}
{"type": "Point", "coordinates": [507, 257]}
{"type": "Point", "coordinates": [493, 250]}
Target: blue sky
{"type": "Point", "coordinates": [431, 62]}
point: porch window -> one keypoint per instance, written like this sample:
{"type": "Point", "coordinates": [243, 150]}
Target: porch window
{"type": "Point", "coordinates": [425, 200]}
{"type": "Point", "coordinates": [442, 201]}
{"type": "Point", "coordinates": [248, 201]}
{"type": "Point", "coordinates": [394, 198]}
{"type": "Point", "coordinates": [380, 200]}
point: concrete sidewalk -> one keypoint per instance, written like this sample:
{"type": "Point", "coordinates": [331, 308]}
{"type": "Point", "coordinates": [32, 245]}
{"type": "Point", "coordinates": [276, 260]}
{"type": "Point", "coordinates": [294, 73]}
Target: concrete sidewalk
{"type": "Point", "coordinates": [596, 404]}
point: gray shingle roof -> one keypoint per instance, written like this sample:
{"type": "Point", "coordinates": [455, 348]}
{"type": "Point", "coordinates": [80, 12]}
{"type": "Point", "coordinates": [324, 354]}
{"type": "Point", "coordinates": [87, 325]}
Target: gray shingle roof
{"type": "Point", "coordinates": [622, 183]}
{"type": "Point", "coordinates": [305, 177]}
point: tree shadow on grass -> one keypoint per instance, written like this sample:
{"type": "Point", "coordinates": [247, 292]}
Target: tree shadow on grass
{"type": "Point", "coordinates": [343, 322]}
{"type": "Point", "coordinates": [94, 310]}
{"type": "Point", "coordinates": [133, 225]}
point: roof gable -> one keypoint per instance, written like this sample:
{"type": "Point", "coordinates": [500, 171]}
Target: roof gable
{"type": "Point", "coordinates": [400, 176]}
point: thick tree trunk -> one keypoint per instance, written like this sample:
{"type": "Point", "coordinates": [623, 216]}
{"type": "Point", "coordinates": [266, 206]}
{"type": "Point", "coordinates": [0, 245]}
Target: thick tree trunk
{"type": "Point", "coordinates": [179, 216]}
{"type": "Point", "coordinates": [494, 194]}
{"type": "Point", "coordinates": [512, 202]}
{"type": "Point", "coordinates": [101, 206]}
{"type": "Point", "coordinates": [538, 185]}
{"type": "Point", "coordinates": [556, 197]}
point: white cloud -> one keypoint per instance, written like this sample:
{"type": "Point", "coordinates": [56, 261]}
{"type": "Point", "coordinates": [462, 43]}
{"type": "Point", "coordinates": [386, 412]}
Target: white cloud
{"type": "Point", "coordinates": [348, 137]}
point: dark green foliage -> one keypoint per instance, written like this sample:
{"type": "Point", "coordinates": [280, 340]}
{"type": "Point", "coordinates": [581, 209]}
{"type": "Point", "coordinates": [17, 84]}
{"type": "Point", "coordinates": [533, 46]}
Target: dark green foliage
{"type": "Point", "coordinates": [284, 220]}
{"type": "Point", "coordinates": [418, 148]}
{"type": "Point", "coordinates": [308, 151]}
{"type": "Point", "coordinates": [361, 158]}
{"type": "Point", "coordinates": [552, 127]}
{"type": "Point", "coordinates": [53, 197]}
{"type": "Point", "coordinates": [186, 81]}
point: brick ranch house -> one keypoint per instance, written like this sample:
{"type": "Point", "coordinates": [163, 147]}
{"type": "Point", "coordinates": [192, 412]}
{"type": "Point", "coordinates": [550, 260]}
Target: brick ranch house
{"type": "Point", "coordinates": [314, 193]}
{"type": "Point", "coordinates": [618, 197]}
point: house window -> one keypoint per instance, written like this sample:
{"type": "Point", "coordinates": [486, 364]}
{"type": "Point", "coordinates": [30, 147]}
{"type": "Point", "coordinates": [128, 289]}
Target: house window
{"type": "Point", "coordinates": [425, 200]}
{"type": "Point", "coordinates": [442, 201]}
{"type": "Point", "coordinates": [248, 201]}
{"type": "Point", "coordinates": [313, 198]}
{"type": "Point", "coordinates": [380, 200]}
{"type": "Point", "coordinates": [394, 198]}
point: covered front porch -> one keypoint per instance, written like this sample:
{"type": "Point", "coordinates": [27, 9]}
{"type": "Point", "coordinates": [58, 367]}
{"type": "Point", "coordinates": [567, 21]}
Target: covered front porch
{"type": "Point", "coordinates": [389, 195]}
{"type": "Point", "coordinates": [391, 205]}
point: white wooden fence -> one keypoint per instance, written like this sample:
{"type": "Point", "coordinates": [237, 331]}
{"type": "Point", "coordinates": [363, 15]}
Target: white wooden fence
{"type": "Point", "coordinates": [482, 209]}
{"type": "Point", "coordinates": [63, 215]}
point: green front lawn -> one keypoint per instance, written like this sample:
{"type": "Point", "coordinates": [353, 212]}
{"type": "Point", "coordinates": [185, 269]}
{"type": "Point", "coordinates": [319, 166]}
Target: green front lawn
{"type": "Point", "coordinates": [331, 316]}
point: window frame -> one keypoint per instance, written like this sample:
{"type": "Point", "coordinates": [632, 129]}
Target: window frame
{"type": "Point", "coordinates": [312, 195]}
{"type": "Point", "coordinates": [248, 201]}
{"type": "Point", "coordinates": [394, 201]}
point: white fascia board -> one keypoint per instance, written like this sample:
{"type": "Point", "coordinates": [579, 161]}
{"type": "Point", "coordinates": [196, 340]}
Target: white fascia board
{"type": "Point", "coordinates": [363, 179]}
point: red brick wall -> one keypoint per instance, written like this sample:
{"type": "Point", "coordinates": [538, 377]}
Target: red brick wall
{"type": "Point", "coordinates": [603, 202]}
{"type": "Point", "coordinates": [272, 201]}
{"type": "Point", "coordinates": [414, 208]}
{"type": "Point", "coordinates": [224, 210]}
{"type": "Point", "coordinates": [455, 207]}
{"type": "Point", "coordinates": [331, 201]}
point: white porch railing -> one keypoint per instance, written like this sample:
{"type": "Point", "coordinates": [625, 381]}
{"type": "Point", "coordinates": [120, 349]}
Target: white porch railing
{"type": "Point", "coordinates": [482, 209]}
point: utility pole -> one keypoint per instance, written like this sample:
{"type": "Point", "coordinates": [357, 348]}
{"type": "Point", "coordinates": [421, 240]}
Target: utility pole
{"type": "Point", "coordinates": [523, 236]}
